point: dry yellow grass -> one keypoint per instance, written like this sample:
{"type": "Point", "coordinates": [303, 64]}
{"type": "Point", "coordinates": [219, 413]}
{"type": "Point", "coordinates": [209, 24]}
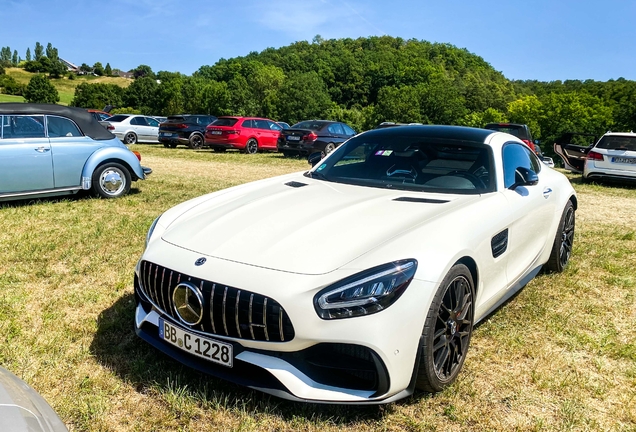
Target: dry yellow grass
{"type": "Point", "coordinates": [559, 356]}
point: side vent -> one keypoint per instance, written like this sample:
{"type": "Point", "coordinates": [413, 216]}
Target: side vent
{"type": "Point", "coordinates": [499, 243]}
{"type": "Point", "coordinates": [421, 200]}
{"type": "Point", "coordinates": [295, 184]}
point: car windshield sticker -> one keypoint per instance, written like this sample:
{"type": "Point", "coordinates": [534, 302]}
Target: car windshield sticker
{"type": "Point", "coordinates": [321, 167]}
{"type": "Point", "coordinates": [383, 152]}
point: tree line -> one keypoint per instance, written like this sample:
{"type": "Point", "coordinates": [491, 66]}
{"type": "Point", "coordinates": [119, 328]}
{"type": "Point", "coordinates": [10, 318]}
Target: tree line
{"type": "Point", "coordinates": [366, 81]}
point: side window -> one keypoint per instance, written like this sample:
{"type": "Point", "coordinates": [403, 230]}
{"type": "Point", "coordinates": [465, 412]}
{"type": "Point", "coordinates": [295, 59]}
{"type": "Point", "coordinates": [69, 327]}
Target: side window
{"type": "Point", "coordinates": [274, 126]}
{"type": "Point", "coordinates": [138, 121]}
{"type": "Point", "coordinates": [515, 156]}
{"type": "Point", "coordinates": [61, 127]}
{"type": "Point", "coordinates": [348, 130]}
{"type": "Point", "coordinates": [152, 122]}
{"type": "Point", "coordinates": [248, 123]}
{"type": "Point", "coordinates": [336, 129]}
{"type": "Point", "coordinates": [262, 124]}
{"type": "Point", "coordinates": [31, 126]}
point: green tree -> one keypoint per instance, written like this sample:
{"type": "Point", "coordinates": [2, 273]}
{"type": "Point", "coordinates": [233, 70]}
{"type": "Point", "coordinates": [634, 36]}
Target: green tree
{"type": "Point", "coordinates": [108, 71]}
{"type": "Point", "coordinates": [85, 68]}
{"type": "Point", "coordinates": [97, 96]}
{"type": "Point", "coordinates": [40, 90]}
{"type": "Point", "coordinates": [28, 54]}
{"type": "Point", "coordinates": [141, 94]}
{"type": "Point", "coordinates": [98, 69]}
{"type": "Point", "coordinates": [39, 51]}
{"type": "Point", "coordinates": [57, 69]}
{"type": "Point", "coordinates": [398, 105]}
{"type": "Point", "coordinates": [15, 59]}
{"type": "Point", "coordinates": [303, 96]}
{"type": "Point", "coordinates": [143, 71]}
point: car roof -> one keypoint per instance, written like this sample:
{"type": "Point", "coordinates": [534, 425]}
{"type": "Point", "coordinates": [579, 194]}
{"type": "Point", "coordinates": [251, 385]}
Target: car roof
{"type": "Point", "coordinates": [85, 120]}
{"type": "Point", "coordinates": [462, 133]}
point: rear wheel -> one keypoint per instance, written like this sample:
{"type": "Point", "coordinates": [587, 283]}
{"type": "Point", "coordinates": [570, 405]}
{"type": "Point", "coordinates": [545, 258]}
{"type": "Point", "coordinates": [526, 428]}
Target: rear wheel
{"type": "Point", "coordinates": [111, 180]}
{"type": "Point", "coordinates": [447, 331]}
{"type": "Point", "coordinates": [130, 138]}
{"type": "Point", "coordinates": [196, 141]}
{"type": "Point", "coordinates": [252, 146]}
{"type": "Point", "coordinates": [563, 241]}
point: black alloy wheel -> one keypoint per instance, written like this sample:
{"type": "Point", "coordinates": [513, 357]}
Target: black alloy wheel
{"type": "Point", "coordinates": [252, 146]}
{"type": "Point", "coordinates": [447, 331]}
{"type": "Point", "coordinates": [196, 141]}
{"type": "Point", "coordinates": [563, 240]}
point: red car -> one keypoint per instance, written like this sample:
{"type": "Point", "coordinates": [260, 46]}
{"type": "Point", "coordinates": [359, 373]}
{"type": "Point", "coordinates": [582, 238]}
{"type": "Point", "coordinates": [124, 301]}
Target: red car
{"type": "Point", "coordinates": [247, 134]}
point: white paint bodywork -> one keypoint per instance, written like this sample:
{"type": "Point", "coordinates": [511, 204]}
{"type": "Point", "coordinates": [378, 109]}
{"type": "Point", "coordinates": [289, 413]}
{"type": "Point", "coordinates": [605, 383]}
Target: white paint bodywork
{"type": "Point", "coordinates": [288, 243]}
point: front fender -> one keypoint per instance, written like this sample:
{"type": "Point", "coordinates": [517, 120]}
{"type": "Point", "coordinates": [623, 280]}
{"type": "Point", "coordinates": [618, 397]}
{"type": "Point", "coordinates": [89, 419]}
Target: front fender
{"type": "Point", "coordinates": [111, 154]}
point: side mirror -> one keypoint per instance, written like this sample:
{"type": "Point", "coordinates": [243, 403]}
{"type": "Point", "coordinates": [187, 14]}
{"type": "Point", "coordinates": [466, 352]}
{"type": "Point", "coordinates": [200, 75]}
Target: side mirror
{"type": "Point", "coordinates": [314, 158]}
{"type": "Point", "coordinates": [524, 177]}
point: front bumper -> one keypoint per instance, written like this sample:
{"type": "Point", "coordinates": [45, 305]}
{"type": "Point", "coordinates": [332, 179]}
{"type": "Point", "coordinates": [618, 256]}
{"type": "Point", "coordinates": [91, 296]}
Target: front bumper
{"type": "Point", "coordinates": [364, 360]}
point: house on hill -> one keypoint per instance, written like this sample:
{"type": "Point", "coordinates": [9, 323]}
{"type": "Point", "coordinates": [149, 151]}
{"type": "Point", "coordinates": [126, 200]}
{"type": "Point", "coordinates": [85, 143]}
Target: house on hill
{"type": "Point", "coordinates": [70, 66]}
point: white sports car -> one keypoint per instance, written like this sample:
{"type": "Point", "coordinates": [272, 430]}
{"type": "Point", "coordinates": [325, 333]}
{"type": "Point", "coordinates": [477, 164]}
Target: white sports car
{"type": "Point", "coordinates": [360, 280]}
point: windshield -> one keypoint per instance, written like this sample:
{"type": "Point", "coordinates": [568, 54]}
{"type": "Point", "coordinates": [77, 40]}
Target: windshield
{"type": "Point", "coordinates": [410, 163]}
{"type": "Point", "coordinates": [227, 121]}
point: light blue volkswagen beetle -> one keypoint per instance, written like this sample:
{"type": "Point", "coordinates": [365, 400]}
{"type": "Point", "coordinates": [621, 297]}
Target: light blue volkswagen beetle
{"type": "Point", "coordinates": [48, 150]}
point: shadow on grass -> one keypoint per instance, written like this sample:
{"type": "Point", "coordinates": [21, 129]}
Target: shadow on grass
{"type": "Point", "coordinates": [117, 347]}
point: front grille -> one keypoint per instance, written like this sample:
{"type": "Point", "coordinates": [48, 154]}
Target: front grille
{"type": "Point", "coordinates": [227, 311]}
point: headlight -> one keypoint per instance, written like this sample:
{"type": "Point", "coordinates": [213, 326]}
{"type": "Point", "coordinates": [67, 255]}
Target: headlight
{"type": "Point", "coordinates": [151, 229]}
{"type": "Point", "coordinates": [367, 292]}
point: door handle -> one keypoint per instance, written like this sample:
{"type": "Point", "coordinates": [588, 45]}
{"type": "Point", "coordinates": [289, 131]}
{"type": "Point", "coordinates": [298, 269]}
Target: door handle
{"type": "Point", "coordinates": [547, 192]}
{"type": "Point", "coordinates": [42, 149]}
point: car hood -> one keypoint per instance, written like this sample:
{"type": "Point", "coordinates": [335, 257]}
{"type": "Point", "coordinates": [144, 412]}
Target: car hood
{"type": "Point", "coordinates": [302, 225]}
{"type": "Point", "coordinates": [22, 409]}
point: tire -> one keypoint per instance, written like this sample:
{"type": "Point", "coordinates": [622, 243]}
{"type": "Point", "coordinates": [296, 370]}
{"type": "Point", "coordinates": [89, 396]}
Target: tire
{"type": "Point", "coordinates": [130, 138]}
{"type": "Point", "coordinates": [563, 241]}
{"type": "Point", "coordinates": [287, 154]}
{"type": "Point", "coordinates": [173, 145]}
{"type": "Point", "coordinates": [447, 331]}
{"type": "Point", "coordinates": [219, 149]}
{"type": "Point", "coordinates": [195, 141]}
{"type": "Point", "coordinates": [166, 145]}
{"type": "Point", "coordinates": [329, 148]}
{"type": "Point", "coordinates": [251, 147]}
{"type": "Point", "coordinates": [111, 180]}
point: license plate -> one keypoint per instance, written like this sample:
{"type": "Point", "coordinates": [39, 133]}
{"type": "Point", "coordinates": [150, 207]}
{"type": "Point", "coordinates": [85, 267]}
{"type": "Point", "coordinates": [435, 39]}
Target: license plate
{"type": "Point", "coordinates": [217, 132]}
{"type": "Point", "coordinates": [166, 134]}
{"type": "Point", "coordinates": [209, 349]}
{"type": "Point", "coordinates": [293, 138]}
{"type": "Point", "coordinates": [624, 160]}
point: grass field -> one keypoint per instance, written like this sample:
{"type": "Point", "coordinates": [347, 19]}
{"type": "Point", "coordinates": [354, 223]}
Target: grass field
{"type": "Point", "coordinates": [65, 87]}
{"type": "Point", "coordinates": [561, 355]}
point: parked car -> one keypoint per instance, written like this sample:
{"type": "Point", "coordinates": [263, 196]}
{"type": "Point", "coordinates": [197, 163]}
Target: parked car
{"type": "Point", "coordinates": [362, 278]}
{"type": "Point", "coordinates": [572, 147]}
{"type": "Point", "coordinates": [134, 128]}
{"type": "Point", "coordinates": [160, 119]}
{"type": "Point", "coordinates": [613, 157]}
{"type": "Point", "coordinates": [22, 409]}
{"type": "Point", "coordinates": [48, 150]}
{"type": "Point", "coordinates": [247, 134]}
{"type": "Point", "coordinates": [312, 136]}
{"type": "Point", "coordinates": [99, 115]}
{"type": "Point", "coordinates": [521, 131]}
{"type": "Point", "coordinates": [284, 125]}
{"type": "Point", "coordinates": [184, 129]}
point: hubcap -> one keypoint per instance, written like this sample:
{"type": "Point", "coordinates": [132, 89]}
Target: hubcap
{"type": "Point", "coordinates": [112, 181]}
{"type": "Point", "coordinates": [453, 328]}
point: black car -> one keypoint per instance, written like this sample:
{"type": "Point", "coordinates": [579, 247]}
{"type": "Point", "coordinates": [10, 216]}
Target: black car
{"type": "Point", "coordinates": [187, 129]}
{"type": "Point", "coordinates": [312, 136]}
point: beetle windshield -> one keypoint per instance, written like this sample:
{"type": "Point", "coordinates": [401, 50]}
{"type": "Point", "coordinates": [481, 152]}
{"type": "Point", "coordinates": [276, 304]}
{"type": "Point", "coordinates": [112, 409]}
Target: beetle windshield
{"type": "Point", "coordinates": [411, 163]}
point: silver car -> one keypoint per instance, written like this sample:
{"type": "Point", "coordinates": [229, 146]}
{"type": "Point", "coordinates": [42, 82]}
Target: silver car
{"type": "Point", "coordinates": [48, 150]}
{"type": "Point", "coordinates": [134, 128]}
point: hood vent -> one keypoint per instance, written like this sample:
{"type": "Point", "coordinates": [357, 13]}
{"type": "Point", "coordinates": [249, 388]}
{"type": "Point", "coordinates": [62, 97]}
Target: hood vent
{"type": "Point", "coordinates": [295, 184]}
{"type": "Point", "coordinates": [421, 200]}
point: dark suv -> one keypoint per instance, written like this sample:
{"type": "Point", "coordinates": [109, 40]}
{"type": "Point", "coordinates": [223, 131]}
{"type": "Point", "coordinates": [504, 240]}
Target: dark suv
{"type": "Point", "coordinates": [521, 131]}
{"type": "Point", "coordinates": [312, 136]}
{"type": "Point", "coordinates": [187, 129]}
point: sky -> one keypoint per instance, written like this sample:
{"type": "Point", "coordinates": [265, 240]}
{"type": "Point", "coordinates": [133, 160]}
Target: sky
{"type": "Point", "coordinates": [543, 40]}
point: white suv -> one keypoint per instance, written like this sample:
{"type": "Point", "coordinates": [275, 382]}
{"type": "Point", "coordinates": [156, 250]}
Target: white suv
{"type": "Point", "coordinates": [613, 157]}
